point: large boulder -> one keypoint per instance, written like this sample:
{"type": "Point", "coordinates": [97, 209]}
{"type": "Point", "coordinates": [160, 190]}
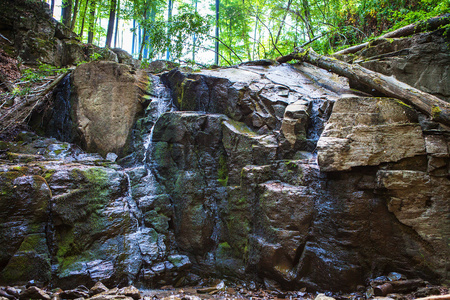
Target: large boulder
{"type": "Point", "coordinates": [74, 218]}
{"type": "Point", "coordinates": [105, 106]}
{"type": "Point", "coordinates": [36, 37]}
{"type": "Point", "coordinates": [251, 201]}
{"type": "Point", "coordinates": [367, 132]}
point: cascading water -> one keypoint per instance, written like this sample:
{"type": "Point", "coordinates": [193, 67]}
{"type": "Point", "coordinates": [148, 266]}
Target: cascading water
{"type": "Point", "coordinates": [160, 102]}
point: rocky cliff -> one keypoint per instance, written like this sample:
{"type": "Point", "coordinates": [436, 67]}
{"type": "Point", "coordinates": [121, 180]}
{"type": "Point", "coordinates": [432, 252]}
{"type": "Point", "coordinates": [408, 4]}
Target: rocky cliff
{"type": "Point", "coordinates": [278, 174]}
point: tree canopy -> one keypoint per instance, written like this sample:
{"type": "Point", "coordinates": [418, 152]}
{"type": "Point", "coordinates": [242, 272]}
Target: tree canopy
{"type": "Point", "coordinates": [233, 31]}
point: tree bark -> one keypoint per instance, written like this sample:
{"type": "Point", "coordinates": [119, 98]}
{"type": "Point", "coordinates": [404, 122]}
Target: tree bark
{"type": "Point", "coordinates": [116, 31]}
{"type": "Point", "coordinates": [84, 18]}
{"type": "Point", "coordinates": [141, 50]}
{"type": "Point", "coordinates": [216, 44]}
{"type": "Point", "coordinates": [91, 22]}
{"type": "Point", "coordinates": [74, 15]}
{"type": "Point", "coordinates": [52, 7]}
{"type": "Point", "coordinates": [66, 12]}
{"type": "Point", "coordinates": [111, 22]}
{"type": "Point", "coordinates": [438, 109]}
{"type": "Point", "coordinates": [430, 24]}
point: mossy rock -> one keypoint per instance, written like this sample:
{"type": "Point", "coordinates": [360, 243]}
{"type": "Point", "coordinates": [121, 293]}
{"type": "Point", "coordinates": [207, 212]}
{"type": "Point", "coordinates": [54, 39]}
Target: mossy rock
{"type": "Point", "coordinates": [31, 262]}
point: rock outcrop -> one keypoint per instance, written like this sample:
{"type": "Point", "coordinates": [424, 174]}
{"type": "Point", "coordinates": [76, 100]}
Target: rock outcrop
{"type": "Point", "coordinates": [96, 107]}
{"type": "Point", "coordinates": [35, 37]}
{"type": "Point", "coordinates": [422, 61]}
{"type": "Point", "coordinates": [278, 174]}
{"type": "Point", "coordinates": [262, 207]}
{"type": "Point", "coordinates": [75, 219]}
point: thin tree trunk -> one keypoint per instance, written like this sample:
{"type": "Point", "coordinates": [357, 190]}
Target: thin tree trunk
{"type": "Point", "coordinates": [430, 24]}
{"type": "Point", "coordinates": [111, 22]}
{"type": "Point", "coordinates": [169, 20]}
{"type": "Point", "coordinates": [283, 21]}
{"type": "Point", "coordinates": [144, 34]}
{"type": "Point", "coordinates": [216, 58]}
{"type": "Point", "coordinates": [84, 18]}
{"type": "Point", "coordinates": [194, 37]}
{"type": "Point", "coordinates": [133, 45]}
{"type": "Point", "coordinates": [256, 27]}
{"type": "Point", "coordinates": [438, 109]}
{"type": "Point", "coordinates": [74, 15]}
{"type": "Point", "coordinates": [91, 22]}
{"type": "Point", "coordinates": [52, 7]}
{"type": "Point", "coordinates": [66, 12]}
{"type": "Point", "coordinates": [116, 34]}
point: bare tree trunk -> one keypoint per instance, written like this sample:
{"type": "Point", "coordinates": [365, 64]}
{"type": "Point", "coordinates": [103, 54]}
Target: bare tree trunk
{"type": "Point", "coordinates": [52, 6]}
{"type": "Point", "coordinates": [74, 15]}
{"type": "Point", "coordinates": [283, 21]}
{"type": "Point", "coordinates": [144, 34]}
{"type": "Point", "coordinates": [84, 18]}
{"type": "Point", "coordinates": [111, 22]}
{"type": "Point", "coordinates": [66, 12]}
{"type": "Point", "coordinates": [430, 24]}
{"type": "Point", "coordinates": [91, 22]}
{"type": "Point", "coordinates": [116, 33]}
{"type": "Point", "coordinates": [216, 45]}
{"type": "Point", "coordinates": [438, 109]}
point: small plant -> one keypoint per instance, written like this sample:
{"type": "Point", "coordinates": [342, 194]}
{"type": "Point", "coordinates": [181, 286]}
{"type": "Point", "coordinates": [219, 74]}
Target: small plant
{"type": "Point", "coordinates": [43, 70]}
{"type": "Point", "coordinates": [95, 56]}
{"type": "Point", "coordinates": [145, 63]}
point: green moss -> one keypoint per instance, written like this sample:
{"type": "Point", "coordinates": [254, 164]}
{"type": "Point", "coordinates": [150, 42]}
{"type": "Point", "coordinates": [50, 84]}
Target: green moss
{"type": "Point", "coordinates": [403, 103]}
{"type": "Point", "coordinates": [21, 169]}
{"type": "Point", "coordinates": [223, 250]}
{"type": "Point", "coordinates": [241, 127]}
{"type": "Point", "coordinates": [435, 112]}
{"type": "Point", "coordinates": [222, 170]}
{"type": "Point", "coordinates": [48, 174]}
{"type": "Point", "coordinates": [184, 103]}
{"type": "Point", "coordinates": [31, 261]}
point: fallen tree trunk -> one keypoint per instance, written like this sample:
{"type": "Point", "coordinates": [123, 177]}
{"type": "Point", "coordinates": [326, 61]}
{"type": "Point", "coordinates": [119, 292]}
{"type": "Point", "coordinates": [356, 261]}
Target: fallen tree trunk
{"type": "Point", "coordinates": [438, 109]}
{"type": "Point", "coordinates": [438, 297]}
{"type": "Point", "coordinates": [428, 25]}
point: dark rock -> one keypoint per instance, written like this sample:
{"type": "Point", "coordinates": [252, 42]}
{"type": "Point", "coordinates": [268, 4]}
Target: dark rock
{"type": "Point", "coordinates": [427, 291]}
{"type": "Point", "coordinates": [12, 291]}
{"type": "Point", "coordinates": [97, 289]}
{"type": "Point", "coordinates": [130, 291]}
{"type": "Point", "coordinates": [75, 294]}
{"type": "Point", "coordinates": [34, 292]}
{"type": "Point", "coordinates": [420, 61]}
{"type": "Point", "coordinates": [5, 294]}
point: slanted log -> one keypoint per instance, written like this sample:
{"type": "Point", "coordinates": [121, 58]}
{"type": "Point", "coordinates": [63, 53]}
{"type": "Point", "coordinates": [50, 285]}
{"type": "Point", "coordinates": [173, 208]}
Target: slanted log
{"type": "Point", "coordinates": [421, 26]}
{"type": "Point", "coordinates": [437, 109]}
{"type": "Point", "coordinates": [438, 297]}
{"type": "Point", "coordinates": [406, 286]}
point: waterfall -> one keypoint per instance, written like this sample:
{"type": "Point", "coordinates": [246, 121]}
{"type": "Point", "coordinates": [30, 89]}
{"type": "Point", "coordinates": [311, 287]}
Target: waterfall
{"type": "Point", "coordinates": [161, 102]}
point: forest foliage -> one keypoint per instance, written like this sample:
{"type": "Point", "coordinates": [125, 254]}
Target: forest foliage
{"type": "Point", "coordinates": [247, 29]}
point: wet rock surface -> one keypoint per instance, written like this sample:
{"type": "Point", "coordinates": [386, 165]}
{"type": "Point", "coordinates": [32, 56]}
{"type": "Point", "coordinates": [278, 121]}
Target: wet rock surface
{"type": "Point", "coordinates": [278, 175]}
{"type": "Point", "coordinates": [36, 37]}
{"type": "Point", "coordinates": [220, 289]}
{"type": "Point", "coordinates": [422, 61]}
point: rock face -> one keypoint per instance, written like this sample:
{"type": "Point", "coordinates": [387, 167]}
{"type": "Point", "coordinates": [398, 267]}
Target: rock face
{"type": "Point", "coordinates": [368, 132]}
{"type": "Point", "coordinates": [422, 61]}
{"type": "Point", "coordinates": [75, 219]}
{"type": "Point", "coordinates": [106, 105]}
{"type": "Point", "coordinates": [36, 37]}
{"type": "Point", "coordinates": [279, 174]}
{"type": "Point", "coordinates": [95, 107]}
{"type": "Point", "coordinates": [259, 204]}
